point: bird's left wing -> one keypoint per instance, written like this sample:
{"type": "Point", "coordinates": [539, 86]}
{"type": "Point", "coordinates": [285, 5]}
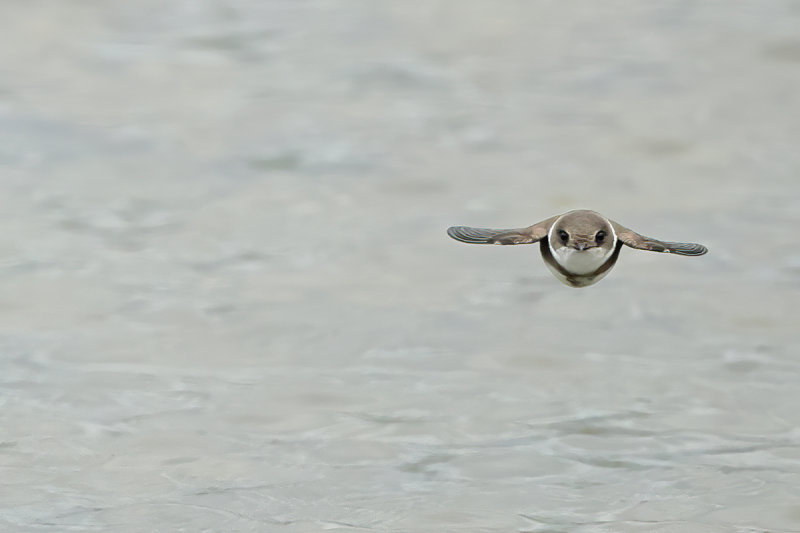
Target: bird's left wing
{"type": "Point", "coordinates": [640, 242]}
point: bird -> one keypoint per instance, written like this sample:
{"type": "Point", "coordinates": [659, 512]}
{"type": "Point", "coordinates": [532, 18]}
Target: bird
{"type": "Point", "coordinates": [579, 247]}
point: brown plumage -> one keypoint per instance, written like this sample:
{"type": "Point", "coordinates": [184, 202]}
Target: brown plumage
{"type": "Point", "coordinates": [579, 247]}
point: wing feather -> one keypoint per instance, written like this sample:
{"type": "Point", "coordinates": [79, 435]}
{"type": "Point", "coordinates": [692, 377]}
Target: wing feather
{"type": "Point", "coordinates": [527, 235]}
{"type": "Point", "coordinates": [640, 242]}
{"type": "Point", "coordinates": [489, 236]}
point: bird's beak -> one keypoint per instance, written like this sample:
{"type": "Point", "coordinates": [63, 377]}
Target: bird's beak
{"type": "Point", "coordinates": [580, 246]}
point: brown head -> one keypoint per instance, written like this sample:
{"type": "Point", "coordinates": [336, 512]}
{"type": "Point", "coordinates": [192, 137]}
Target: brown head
{"type": "Point", "coordinates": [582, 230]}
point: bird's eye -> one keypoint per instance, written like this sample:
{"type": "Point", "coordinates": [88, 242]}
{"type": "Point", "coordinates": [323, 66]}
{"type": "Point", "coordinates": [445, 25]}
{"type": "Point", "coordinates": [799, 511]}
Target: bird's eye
{"type": "Point", "coordinates": [600, 236]}
{"type": "Point", "coordinates": [563, 235]}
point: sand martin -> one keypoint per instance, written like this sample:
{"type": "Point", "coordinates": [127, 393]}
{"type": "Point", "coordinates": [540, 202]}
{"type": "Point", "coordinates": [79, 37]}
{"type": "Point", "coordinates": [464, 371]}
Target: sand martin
{"type": "Point", "coordinates": [578, 247]}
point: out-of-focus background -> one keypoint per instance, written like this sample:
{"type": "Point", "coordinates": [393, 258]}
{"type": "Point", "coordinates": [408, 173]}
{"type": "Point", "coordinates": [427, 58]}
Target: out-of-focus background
{"type": "Point", "coordinates": [228, 303]}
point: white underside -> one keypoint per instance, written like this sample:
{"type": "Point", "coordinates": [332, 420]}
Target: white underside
{"type": "Point", "coordinates": [575, 281]}
{"type": "Point", "coordinates": [580, 264]}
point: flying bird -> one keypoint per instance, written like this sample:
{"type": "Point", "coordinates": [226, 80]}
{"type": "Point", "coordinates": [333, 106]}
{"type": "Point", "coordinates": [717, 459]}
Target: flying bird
{"type": "Point", "coordinates": [579, 247]}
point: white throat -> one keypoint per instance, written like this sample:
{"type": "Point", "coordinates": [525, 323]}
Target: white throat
{"type": "Point", "coordinates": [581, 261]}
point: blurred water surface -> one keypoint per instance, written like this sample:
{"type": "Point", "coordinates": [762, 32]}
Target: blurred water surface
{"type": "Point", "coordinates": [227, 301]}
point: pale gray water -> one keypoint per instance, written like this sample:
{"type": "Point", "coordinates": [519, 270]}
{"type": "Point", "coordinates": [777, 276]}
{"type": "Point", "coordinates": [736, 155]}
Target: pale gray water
{"type": "Point", "coordinates": [228, 303]}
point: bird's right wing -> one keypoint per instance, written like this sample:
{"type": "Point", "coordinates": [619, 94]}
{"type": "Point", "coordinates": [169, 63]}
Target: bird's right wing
{"type": "Point", "coordinates": [528, 235]}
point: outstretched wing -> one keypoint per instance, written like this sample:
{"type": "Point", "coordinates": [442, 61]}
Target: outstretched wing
{"type": "Point", "coordinates": [640, 242]}
{"type": "Point", "coordinates": [527, 235]}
